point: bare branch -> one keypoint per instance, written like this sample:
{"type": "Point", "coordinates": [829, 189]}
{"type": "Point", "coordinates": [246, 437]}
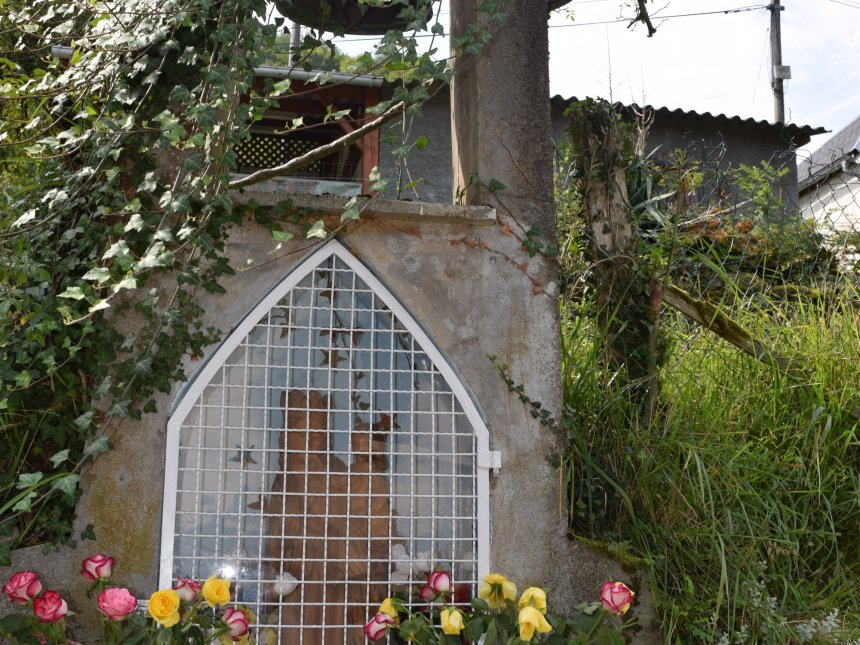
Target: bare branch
{"type": "Point", "coordinates": [712, 319]}
{"type": "Point", "coordinates": [642, 16]}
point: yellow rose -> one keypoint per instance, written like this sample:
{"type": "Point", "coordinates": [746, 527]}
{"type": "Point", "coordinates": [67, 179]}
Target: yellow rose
{"type": "Point", "coordinates": [529, 620]}
{"type": "Point", "coordinates": [216, 591]}
{"type": "Point", "coordinates": [534, 597]}
{"type": "Point", "coordinates": [453, 621]}
{"type": "Point", "coordinates": [387, 607]}
{"type": "Point", "coordinates": [496, 589]}
{"type": "Point", "coordinates": [163, 606]}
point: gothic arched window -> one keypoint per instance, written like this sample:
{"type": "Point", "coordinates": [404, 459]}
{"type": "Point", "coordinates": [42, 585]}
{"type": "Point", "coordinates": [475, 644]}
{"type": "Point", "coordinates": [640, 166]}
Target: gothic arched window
{"type": "Point", "coordinates": [326, 456]}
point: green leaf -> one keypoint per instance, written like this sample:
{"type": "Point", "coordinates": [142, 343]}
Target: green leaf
{"type": "Point", "coordinates": [97, 445]}
{"type": "Point", "coordinates": [479, 604]}
{"type": "Point", "coordinates": [100, 304]}
{"type": "Point", "coordinates": [282, 236]}
{"type": "Point", "coordinates": [474, 629]}
{"type": "Point", "coordinates": [607, 635]}
{"type": "Point", "coordinates": [66, 484]}
{"type": "Point", "coordinates": [492, 636]}
{"type": "Point", "coordinates": [421, 143]}
{"type": "Point", "coordinates": [23, 379]}
{"type": "Point", "coordinates": [60, 457]}
{"type": "Point", "coordinates": [495, 186]}
{"type": "Point", "coordinates": [75, 293]}
{"type": "Point", "coordinates": [351, 211]}
{"type": "Point", "coordinates": [98, 275]}
{"type": "Point", "coordinates": [25, 504]}
{"type": "Point", "coordinates": [88, 533]}
{"type": "Point", "coordinates": [28, 480]}
{"type": "Point", "coordinates": [317, 230]}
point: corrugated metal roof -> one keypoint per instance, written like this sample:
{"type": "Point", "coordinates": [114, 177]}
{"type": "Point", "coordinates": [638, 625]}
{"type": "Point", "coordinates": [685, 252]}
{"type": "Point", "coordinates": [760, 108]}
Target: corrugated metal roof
{"type": "Point", "coordinates": [828, 158]}
{"type": "Point", "coordinates": [800, 134]}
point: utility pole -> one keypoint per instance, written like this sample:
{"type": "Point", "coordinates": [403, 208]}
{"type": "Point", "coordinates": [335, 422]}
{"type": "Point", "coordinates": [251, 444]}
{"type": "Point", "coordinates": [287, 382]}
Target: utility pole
{"type": "Point", "coordinates": [779, 71]}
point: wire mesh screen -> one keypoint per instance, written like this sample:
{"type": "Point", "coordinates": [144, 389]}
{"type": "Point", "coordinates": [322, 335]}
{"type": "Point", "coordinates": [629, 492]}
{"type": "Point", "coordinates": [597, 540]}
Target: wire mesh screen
{"type": "Point", "coordinates": [326, 465]}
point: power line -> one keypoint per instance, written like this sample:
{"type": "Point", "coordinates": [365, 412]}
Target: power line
{"type": "Point", "coordinates": [656, 17]}
{"type": "Point", "coordinates": [604, 22]}
{"type": "Point", "coordinates": [844, 3]}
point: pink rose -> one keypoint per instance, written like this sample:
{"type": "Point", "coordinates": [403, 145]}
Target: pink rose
{"type": "Point", "coordinates": [439, 582]}
{"type": "Point", "coordinates": [427, 594]}
{"type": "Point", "coordinates": [22, 586]}
{"type": "Point", "coordinates": [237, 623]}
{"type": "Point", "coordinates": [616, 597]}
{"type": "Point", "coordinates": [116, 603]}
{"type": "Point", "coordinates": [187, 588]}
{"type": "Point", "coordinates": [97, 567]}
{"type": "Point", "coordinates": [50, 607]}
{"type": "Point", "coordinates": [378, 625]}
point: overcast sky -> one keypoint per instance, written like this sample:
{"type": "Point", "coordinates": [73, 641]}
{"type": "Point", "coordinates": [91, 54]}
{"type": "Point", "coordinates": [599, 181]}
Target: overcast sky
{"type": "Point", "coordinates": [715, 62]}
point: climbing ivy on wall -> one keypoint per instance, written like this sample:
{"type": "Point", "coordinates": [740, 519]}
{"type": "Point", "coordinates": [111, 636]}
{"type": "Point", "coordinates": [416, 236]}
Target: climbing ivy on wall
{"type": "Point", "coordinates": [116, 160]}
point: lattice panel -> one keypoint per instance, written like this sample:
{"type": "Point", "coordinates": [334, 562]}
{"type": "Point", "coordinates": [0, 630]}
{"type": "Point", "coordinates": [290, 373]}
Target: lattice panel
{"type": "Point", "coordinates": [269, 150]}
{"type": "Point", "coordinates": [326, 463]}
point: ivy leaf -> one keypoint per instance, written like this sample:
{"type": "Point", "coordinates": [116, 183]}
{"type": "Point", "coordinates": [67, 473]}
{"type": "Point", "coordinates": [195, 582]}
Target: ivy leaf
{"type": "Point", "coordinates": [282, 236]}
{"type": "Point", "coordinates": [84, 421]}
{"type": "Point", "coordinates": [317, 230]}
{"type": "Point", "coordinates": [97, 275]}
{"type": "Point", "coordinates": [351, 211]}
{"type": "Point", "coordinates": [148, 185]}
{"type": "Point", "coordinates": [100, 304]}
{"type": "Point", "coordinates": [66, 484]}
{"type": "Point", "coordinates": [60, 457]}
{"type": "Point", "coordinates": [75, 293]}
{"type": "Point", "coordinates": [28, 480]}
{"type": "Point", "coordinates": [25, 503]}
{"type": "Point", "coordinates": [97, 445]}
{"type": "Point", "coordinates": [134, 223]}
{"type": "Point", "coordinates": [495, 186]}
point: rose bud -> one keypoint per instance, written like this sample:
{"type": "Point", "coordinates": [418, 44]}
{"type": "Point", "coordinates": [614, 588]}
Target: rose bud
{"type": "Point", "coordinates": [22, 586]}
{"type": "Point", "coordinates": [427, 594]}
{"type": "Point", "coordinates": [616, 597]}
{"type": "Point", "coordinates": [237, 623]}
{"type": "Point", "coordinates": [50, 607]}
{"type": "Point", "coordinates": [116, 603]}
{"type": "Point", "coordinates": [439, 582]}
{"type": "Point", "coordinates": [377, 626]}
{"type": "Point", "coordinates": [97, 567]}
{"type": "Point", "coordinates": [187, 588]}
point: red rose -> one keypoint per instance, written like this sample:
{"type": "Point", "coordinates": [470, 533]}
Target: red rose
{"type": "Point", "coordinates": [616, 597]}
{"type": "Point", "coordinates": [22, 587]}
{"type": "Point", "coordinates": [237, 622]}
{"type": "Point", "coordinates": [116, 603]}
{"type": "Point", "coordinates": [439, 582]}
{"type": "Point", "coordinates": [377, 626]}
{"type": "Point", "coordinates": [97, 567]}
{"type": "Point", "coordinates": [187, 588]}
{"type": "Point", "coordinates": [50, 607]}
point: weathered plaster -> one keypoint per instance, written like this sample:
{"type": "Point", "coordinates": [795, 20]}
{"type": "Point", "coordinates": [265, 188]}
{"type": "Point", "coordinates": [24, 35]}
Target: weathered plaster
{"type": "Point", "coordinates": [460, 277]}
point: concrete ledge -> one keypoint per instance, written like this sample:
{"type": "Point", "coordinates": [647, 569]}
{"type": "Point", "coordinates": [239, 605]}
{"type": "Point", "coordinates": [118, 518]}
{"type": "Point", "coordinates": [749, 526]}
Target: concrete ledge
{"type": "Point", "coordinates": [373, 207]}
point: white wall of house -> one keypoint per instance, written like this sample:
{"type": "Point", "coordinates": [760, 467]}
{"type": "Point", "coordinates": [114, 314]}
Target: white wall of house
{"type": "Point", "coordinates": [834, 204]}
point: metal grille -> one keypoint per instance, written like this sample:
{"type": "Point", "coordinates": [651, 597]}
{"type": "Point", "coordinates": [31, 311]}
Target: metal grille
{"type": "Point", "coordinates": [326, 457]}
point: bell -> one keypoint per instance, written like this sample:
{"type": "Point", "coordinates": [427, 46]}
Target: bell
{"type": "Point", "coordinates": [348, 16]}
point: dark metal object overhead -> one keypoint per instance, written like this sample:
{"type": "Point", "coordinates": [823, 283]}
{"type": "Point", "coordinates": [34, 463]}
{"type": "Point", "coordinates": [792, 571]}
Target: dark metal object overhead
{"type": "Point", "coordinates": [347, 16]}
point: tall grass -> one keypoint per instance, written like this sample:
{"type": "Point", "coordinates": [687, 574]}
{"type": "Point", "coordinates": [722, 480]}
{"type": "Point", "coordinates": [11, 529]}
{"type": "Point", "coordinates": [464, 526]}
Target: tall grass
{"type": "Point", "coordinates": [742, 496]}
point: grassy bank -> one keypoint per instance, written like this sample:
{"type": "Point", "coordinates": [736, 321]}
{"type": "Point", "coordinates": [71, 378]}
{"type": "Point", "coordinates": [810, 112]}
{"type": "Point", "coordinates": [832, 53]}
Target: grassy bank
{"type": "Point", "coordinates": [742, 496]}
